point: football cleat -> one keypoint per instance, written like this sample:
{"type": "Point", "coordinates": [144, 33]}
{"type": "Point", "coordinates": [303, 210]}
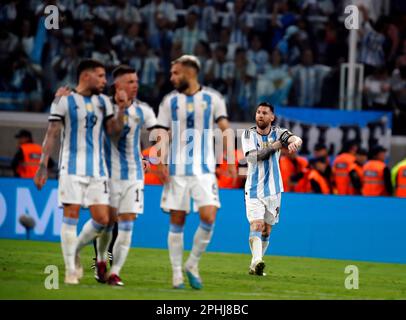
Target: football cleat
{"type": "Point", "coordinates": [258, 267]}
{"type": "Point", "coordinates": [193, 276]}
{"type": "Point", "coordinates": [115, 280]}
{"type": "Point", "coordinates": [101, 271]}
{"type": "Point", "coordinates": [177, 282]}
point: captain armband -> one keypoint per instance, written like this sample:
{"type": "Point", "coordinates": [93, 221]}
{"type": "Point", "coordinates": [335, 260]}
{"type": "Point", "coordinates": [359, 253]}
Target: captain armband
{"type": "Point", "coordinates": [284, 138]}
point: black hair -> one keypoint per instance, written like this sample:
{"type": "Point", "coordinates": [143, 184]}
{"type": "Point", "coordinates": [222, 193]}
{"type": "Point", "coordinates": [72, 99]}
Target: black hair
{"type": "Point", "coordinates": [266, 104]}
{"type": "Point", "coordinates": [121, 70]}
{"type": "Point", "coordinates": [88, 64]}
{"type": "Point", "coordinates": [319, 146]}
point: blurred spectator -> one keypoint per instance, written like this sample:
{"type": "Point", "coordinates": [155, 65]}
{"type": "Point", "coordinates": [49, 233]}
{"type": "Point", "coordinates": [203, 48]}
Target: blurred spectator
{"type": "Point", "coordinates": [8, 44]}
{"type": "Point", "coordinates": [317, 176]}
{"type": "Point", "coordinates": [105, 54]}
{"type": "Point", "coordinates": [203, 53]}
{"type": "Point", "coordinates": [124, 14]}
{"type": "Point", "coordinates": [341, 169]}
{"type": "Point", "coordinates": [399, 178]}
{"type": "Point", "coordinates": [274, 85]}
{"type": "Point", "coordinates": [65, 66]}
{"type": "Point", "coordinates": [26, 37]}
{"type": "Point", "coordinates": [149, 11]}
{"type": "Point", "coordinates": [161, 41]}
{"type": "Point", "coordinates": [290, 46]}
{"type": "Point", "coordinates": [189, 35]}
{"type": "Point", "coordinates": [244, 90]}
{"type": "Point", "coordinates": [361, 158]}
{"type": "Point", "coordinates": [240, 23]}
{"type": "Point", "coordinates": [25, 162]}
{"type": "Point", "coordinates": [152, 176]}
{"type": "Point", "coordinates": [398, 85]}
{"type": "Point", "coordinates": [125, 43]}
{"type": "Point", "coordinates": [148, 69]}
{"type": "Point", "coordinates": [208, 18]}
{"type": "Point", "coordinates": [294, 171]}
{"type": "Point", "coordinates": [282, 19]}
{"type": "Point", "coordinates": [377, 90]}
{"type": "Point", "coordinates": [225, 41]}
{"type": "Point", "coordinates": [26, 79]}
{"type": "Point", "coordinates": [224, 180]}
{"type": "Point", "coordinates": [321, 151]}
{"type": "Point", "coordinates": [376, 177]}
{"type": "Point", "coordinates": [258, 55]}
{"type": "Point", "coordinates": [372, 40]}
{"type": "Point", "coordinates": [219, 72]}
{"type": "Point", "coordinates": [87, 39]}
{"type": "Point", "coordinates": [307, 81]}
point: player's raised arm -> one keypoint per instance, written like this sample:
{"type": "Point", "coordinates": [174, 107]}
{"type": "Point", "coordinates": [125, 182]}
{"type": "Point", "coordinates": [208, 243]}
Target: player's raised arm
{"type": "Point", "coordinates": [52, 135]}
{"type": "Point", "coordinates": [115, 124]}
{"type": "Point", "coordinates": [263, 154]}
{"type": "Point", "coordinates": [294, 143]}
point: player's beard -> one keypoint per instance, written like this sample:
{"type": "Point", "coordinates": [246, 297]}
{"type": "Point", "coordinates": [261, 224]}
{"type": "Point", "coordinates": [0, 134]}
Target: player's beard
{"type": "Point", "coordinates": [182, 86]}
{"type": "Point", "coordinates": [262, 125]}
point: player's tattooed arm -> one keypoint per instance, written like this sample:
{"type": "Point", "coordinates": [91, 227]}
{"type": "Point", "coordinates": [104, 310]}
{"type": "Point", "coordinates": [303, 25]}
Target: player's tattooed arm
{"type": "Point", "coordinates": [263, 154]}
{"type": "Point", "coordinates": [116, 124]}
{"type": "Point", "coordinates": [51, 136]}
{"type": "Point", "coordinates": [294, 143]}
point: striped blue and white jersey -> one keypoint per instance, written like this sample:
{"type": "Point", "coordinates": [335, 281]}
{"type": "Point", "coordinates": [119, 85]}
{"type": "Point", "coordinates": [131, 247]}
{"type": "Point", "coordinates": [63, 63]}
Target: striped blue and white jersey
{"type": "Point", "coordinates": [191, 120]}
{"type": "Point", "coordinates": [123, 154]}
{"type": "Point", "coordinates": [263, 177]}
{"type": "Point", "coordinates": [83, 118]}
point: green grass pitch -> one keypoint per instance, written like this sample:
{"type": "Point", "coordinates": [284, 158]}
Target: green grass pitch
{"type": "Point", "coordinates": [147, 275]}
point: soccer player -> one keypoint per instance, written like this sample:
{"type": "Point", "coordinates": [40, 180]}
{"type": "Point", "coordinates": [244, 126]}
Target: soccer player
{"type": "Point", "coordinates": [82, 117]}
{"type": "Point", "coordinates": [126, 170]}
{"type": "Point", "coordinates": [261, 146]}
{"type": "Point", "coordinates": [190, 112]}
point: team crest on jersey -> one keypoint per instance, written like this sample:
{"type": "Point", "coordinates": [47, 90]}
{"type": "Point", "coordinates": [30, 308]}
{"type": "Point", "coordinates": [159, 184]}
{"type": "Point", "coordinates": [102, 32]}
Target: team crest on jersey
{"type": "Point", "coordinates": [125, 119]}
{"type": "Point", "coordinates": [137, 120]}
{"type": "Point", "coordinates": [190, 107]}
{"type": "Point", "coordinates": [89, 107]}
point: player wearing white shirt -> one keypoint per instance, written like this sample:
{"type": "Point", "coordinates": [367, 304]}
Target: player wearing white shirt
{"type": "Point", "coordinates": [261, 146]}
{"type": "Point", "coordinates": [81, 117]}
{"type": "Point", "coordinates": [126, 170]}
{"type": "Point", "coordinates": [189, 113]}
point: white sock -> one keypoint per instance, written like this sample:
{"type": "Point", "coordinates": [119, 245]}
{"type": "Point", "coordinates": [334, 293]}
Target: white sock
{"type": "Point", "coordinates": [89, 232]}
{"type": "Point", "coordinates": [201, 240]}
{"type": "Point", "coordinates": [265, 244]}
{"type": "Point", "coordinates": [122, 245]}
{"type": "Point", "coordinates": [103, 242]}
{"type": "Point", "coordinates": [175, 246]}
{"type": "Point", "coordinates": [255, 245]}
{"type": "Point", "coordinates": [68, 242]}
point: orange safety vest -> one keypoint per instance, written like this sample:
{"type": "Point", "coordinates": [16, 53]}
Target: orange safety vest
{"type": "Point", "coordinates": [223, 179]}
{"type": "Point", "coordinates": [358, 169]}
{"type": "Point", "coordinates": [341, 170]}
{"type": "Point", "coordinates": [31, 158]}
{"type": "Point", "coordinates": [373, 183]}
{"type": "Point", "coordinates": [401, 182]}
{"type": "Point", "coordinates": [151, 176]}
{"type": "Point", "coordinates": [322, 181]}
{"type": "Point", "coordinates": [288, 169]}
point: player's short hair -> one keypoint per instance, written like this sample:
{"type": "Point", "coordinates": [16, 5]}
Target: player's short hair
{"type": "Point", "coordinates": [88, 64]}
{"type": "Point", "coordinates": [188, 61]}
{"type": "Point", "coordinates": [121, 70]}
{"type": "Point", "coordinates": [266, 104]}
{"type": "Point", "coordinates": [319, 146]}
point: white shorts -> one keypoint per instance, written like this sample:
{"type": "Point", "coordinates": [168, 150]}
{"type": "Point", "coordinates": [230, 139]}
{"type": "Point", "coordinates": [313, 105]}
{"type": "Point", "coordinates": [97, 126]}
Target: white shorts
{"type": "Point", "coordinates": [266, 209]}
{"type": "Point", "coordinates": [127, 196]}
{"type": "Point", "coordinates": [179, 190]}
{"type": "Point", "coordinates": [86, 191]}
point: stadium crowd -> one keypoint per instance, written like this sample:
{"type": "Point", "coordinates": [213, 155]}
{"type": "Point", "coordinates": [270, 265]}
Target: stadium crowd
{"type": "Point", "coordinates": [283, 52]}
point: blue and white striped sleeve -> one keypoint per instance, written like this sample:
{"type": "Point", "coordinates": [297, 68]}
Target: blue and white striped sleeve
{"type": "Point", "coordinates": [248, 142]}
{"type": "Point", "coordinates": [59, 109]}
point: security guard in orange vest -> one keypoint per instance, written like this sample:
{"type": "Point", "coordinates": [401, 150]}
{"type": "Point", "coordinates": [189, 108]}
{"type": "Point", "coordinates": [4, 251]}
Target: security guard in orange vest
{"type": "Point", "coordinates": [399, 178]}
{"type": "Point", "coordinates": [318, 182]}
{"type": "Point", "coordinates": [376, 180]}
{"type": "Point", "coordinates": [341, 169]}
{"type": "Point", "coordinates": [224, 180]}
{"type": "Point", "coordinates": [356, 171]}
{"type": "Point", "coordinates": [293, 169]}
{"type": "Point", "coordinates": [26, 161]}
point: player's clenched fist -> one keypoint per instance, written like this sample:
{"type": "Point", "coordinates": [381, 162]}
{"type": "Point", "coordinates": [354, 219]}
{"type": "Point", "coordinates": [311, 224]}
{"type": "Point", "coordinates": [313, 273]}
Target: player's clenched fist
{"type": "Point", "coordinates": [121, 99]}
{"type": "Point", "coordinates": [295, 145]}
{"type": "Point", "coordinates": [41, 177]}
